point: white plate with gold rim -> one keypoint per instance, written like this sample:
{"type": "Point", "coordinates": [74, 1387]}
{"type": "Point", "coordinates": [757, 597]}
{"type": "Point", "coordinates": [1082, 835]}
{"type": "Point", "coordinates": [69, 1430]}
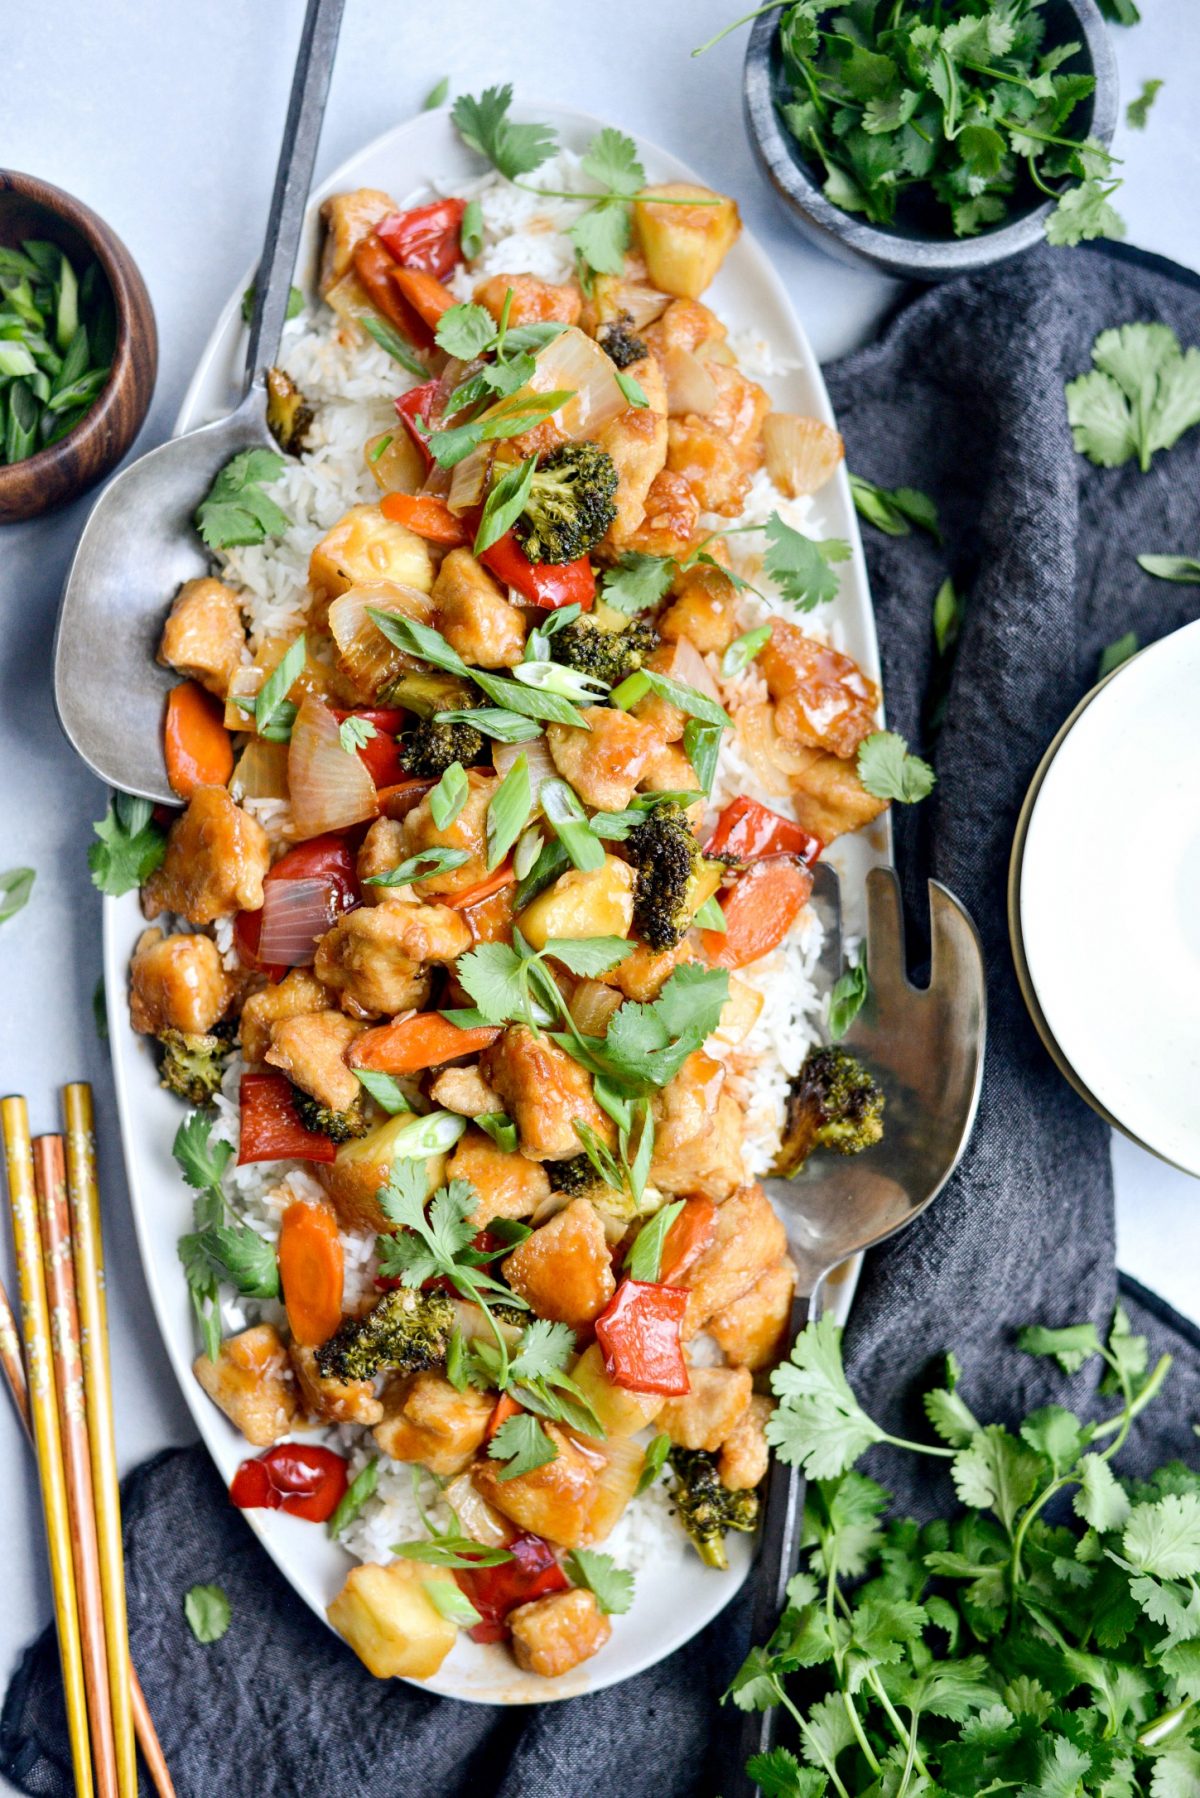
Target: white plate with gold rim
{"type": "Point", "coordinates": [678, 1597]}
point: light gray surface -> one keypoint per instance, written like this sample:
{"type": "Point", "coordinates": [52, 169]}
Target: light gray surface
{"type": "Point", "coordinates": [166, 120]}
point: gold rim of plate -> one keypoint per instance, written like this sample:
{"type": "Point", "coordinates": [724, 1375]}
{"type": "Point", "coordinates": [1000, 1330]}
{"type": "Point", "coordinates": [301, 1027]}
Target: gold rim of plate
{"type": "Point", "coordinates": [1016, 941]}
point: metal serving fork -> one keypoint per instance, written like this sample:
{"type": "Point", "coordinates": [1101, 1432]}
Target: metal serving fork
{"type": "Point", "coordinates": [925, 1046]}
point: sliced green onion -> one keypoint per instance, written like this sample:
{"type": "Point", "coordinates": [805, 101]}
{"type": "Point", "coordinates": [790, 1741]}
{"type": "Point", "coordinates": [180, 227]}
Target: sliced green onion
{"type": "Point", "coordinates": [453, 1603]}
{"type": "Point", "coordinates": [509, 809]}
{"type": "Point", "coordinates": [66, 312]}
{"type": "Point", "coordinates": [696, 705]}
{"type": "Point", "coordinates": [741, 653]}
{"type": "Point", "coordinates": [644, 1260]}
{"type": "Point", "coordinates": [492, 721]}
{"type": "Point", "coordinates": [397, 347]}
{"type": "Point", "coordinates": [504, 504]}
{"type": "Point", "coordinates": [553, 677]}
{"type": "Point", "coordinates": [273, 693]}
{"type": "Point", "coordinates": [417, 639]}
{"type": "Point", "coordinates": [702, 746]}
{"type": "Point", "coordinates": [527, 851]}
{"type": "Point", "coordinates": [552, 861]}
{"type": "Point", "coordinates": [634, 687]}
{"type": "Point", "coordinates": [354, 1498]}
{"type": "Point", "coordinates": [380, 447]}
{"type": "Point", "coordinates": [569, 822]}
{"type": "Point", "coordinates": [470, 232]}
{"type": "Point", "coordinates": [710, 916]}
{"type": "Point", "coordinates": [15, 359]}
{"type": "Point", "coordinates": [515, 696]}
{"type": "Point", "coordinates": [500, 1127]}
{"type": "Point", "coordinates": [633, 390]}
{"type": "Point", "coordinates": [21, 430]}
{"type": "Point", "coordinates": [449, 796]}
{"type": "Point", "coordinates": [420, 867]}
{"type": "Point", "coordinates": [385, 1089]}
{"type": "Point", "coordinates": [432, 1135]}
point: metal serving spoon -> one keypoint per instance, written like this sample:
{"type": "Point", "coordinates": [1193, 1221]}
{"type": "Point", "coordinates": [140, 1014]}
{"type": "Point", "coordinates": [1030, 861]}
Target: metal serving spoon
{"type": "Point", "coordinates": [925, 1046]}
{"type": "Point", "coordinates": [139, 543]}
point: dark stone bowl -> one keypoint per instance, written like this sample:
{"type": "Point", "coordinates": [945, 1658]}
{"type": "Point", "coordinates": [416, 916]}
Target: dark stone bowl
{"type": "Point", "coordinates": [912, 250]}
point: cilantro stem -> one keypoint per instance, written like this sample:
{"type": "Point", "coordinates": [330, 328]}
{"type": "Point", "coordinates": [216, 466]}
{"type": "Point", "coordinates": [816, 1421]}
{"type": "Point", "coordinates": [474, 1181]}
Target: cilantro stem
{"type": "Point", "coordinates": [810, 1737]}
{"type": "Point", "coordinates": [726, 29]}
{"type": "Point", "coordinates": [869, 1754]}
{"type": "Point", "coordinates": [980, 68]}
{"type": "Point", "coordinates": [910, 1757]}
{"type": "Point", "coordinates": [1164, 1725]}
{"type": "Point", "coordinates": [595, 197]}
{"type": "Point", "coordinates": [1055, 1486]}
{"type": "Point", "coordinates": [1121, 1420]}
{"type": "Point", "coordinates": [895, 1719]}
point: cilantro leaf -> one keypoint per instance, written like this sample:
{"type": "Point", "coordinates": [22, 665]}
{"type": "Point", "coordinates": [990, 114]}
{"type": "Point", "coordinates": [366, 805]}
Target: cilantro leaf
{"type": "Point", "coordinates": [653, 1463]}
{"type": "Point", "coordinates": [1070, 1346]}
{"type": "Point", "coordinates": [850, 993]}
{"type": "Point", "coordinates": [202, 1162]}
{"type": "Point", "coordinates": [355, 733]}
{"type": "Point", "coordinates": [612, 1586]}
{"type": "Point", "coordinates": [131, 846]}
{"type": "Point", "coordinates": [236, 510]}
{"type": "Point", "coordinates": [612, 162]}
{"type": "Point", "coordinates": [522, 1442]}
{"type": "Point", "coordinates": [208, 1612]}
{"type": "Point", "coordinates": [244, 1258]}
{"type": "Point", "coordinates": [1100, 1501]}
{"type": "Point", "coordinates": [466, 331]}
{"type": "Point", "coordinates": [800, 566]}
{"type": "Point", "coordinates": [602, 235]}
{"type": "Point", "coordinates": [888, 771]}
{"type": "Point", "coordinates": [780, 1775]}
{"type": "Point", "coordinates": [1137, 113]}
{"type": "Point", "coordinates": [1164, 1538]}
{"type": "Point", "coordinates": [544, 1348]}
{"type": "Point", "coordinates": [484, 125]}
{"type": "Point", "coordinates": [1141, 396]}
{"type": "Point", "coordinates": [818, 1425]}
{"type": "Point", "coordinates": [637, 582]}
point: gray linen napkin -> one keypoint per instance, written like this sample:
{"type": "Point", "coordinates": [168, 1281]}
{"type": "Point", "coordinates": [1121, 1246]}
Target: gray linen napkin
{"type": "Point", "coordinates": [962, 396]}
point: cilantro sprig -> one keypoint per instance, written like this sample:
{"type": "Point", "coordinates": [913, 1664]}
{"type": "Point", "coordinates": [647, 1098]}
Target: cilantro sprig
{"type": "Point", "coordinates": [131, 845]}
{"type": "Point", "coordinates": [214, 1252]}
{"type": "Point", "coordinates": [1140, 397]}
{"type": "Point", "coordinates": [1043, 1641]}
{"type": "Point", "coordinates": [967, 106]}
{"type": "Point", "coordinates": [801, 568]}
{"type": "Point", "coordinates": [236, 509]}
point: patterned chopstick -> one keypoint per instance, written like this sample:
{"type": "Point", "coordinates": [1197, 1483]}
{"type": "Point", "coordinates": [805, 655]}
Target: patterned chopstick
{"type": "Point", "coordinates": [84, 1196]}
{"type": "Point", "coordinates": [35, 1312]}
{"type": "Point", "coordinates": [49, 1170]}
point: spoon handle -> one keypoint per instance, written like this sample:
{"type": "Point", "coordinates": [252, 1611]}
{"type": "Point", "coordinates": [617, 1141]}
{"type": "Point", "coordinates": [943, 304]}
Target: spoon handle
{"type": "Point", "coordinates": [778, 1558]}
{"type": "Point", "coordinates": [293, 178]}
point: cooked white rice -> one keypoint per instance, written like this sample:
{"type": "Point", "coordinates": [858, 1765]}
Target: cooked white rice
{"type": "Point", "coordinates": [352, 387]}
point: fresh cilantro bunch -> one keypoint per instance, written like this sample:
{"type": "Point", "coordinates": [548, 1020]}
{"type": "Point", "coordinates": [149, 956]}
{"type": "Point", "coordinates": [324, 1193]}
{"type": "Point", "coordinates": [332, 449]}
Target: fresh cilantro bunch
{"type": "Point", "coordinates": [1044, 1641]}
{"type": "Point", "coordinates": [1141, 396]}
{"type": "Point", "coordinates": [916, 113]}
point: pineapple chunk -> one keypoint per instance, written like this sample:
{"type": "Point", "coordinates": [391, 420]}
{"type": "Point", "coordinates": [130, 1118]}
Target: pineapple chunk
{"type": "Point", "coordinates": [595, 902]}
{"type": "Point", "coordinates": [684, 246]}
{"type": "Point", "coordinates": [360, 1168]}
{"type": "Point", "coordinates": [621, 1413]}
{"type": "Point", "coordinates": [364, 546]}
{"type": "Point", "coordinates": [386, 1616]}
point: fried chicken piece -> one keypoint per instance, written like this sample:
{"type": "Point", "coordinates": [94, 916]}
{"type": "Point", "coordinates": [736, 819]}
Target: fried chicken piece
{"type": "Point", "coordinates": [534, 302]}
{"type": "Point", "coordinates": [330, 1400]}
{"type": "Point", "coordinates": [752, 1331]}
{"type": "Point", "coordinates": [249, 1381]}
{"type": "Point", "coordinates": [310, 1050]}
{"type": "Point", "coordinates": [749, 1239]}
{"type": "Point", "coordinates": [474, 616]}
{"type": "Point", "coordinates": [427, 1420]}
{"type": "Point", "coordinates": [204, 637]}
{"type": "Point", "coordinates": [553, 1634]}
{"type": "Point", "coordinates": [669, 520]}
{"type": "Point", "coordinates": [636, 439]}
{"type": "Point", "coordinates": [217, 856]}
{"type": "Point", "coordinates": [685, 325]}
{"type": "Point", "coordinates": [822, 698]}
{"type": "Point", "coordinates": [296, 994]}
{"type": "Point", "coordinates": [507, 1185]}
{"type": "Point", "coordinates": [605, 763]}
{"type": "Point", "coordinates": [704, 609]}
{"type": "Point", "coordinates": [381, 850]}
{"type": "Point", "coordinates": [564, 1270]}
{"type": "Point", "coordinates": [176, 983]}
{"type": "Point", "coordinates": [668, 770]}
{"type": "Point", "coordinates": [745, 1456]}
{"type": "Point", "coordinates": [555, 1500]}
{"type": "Point", "coordinates": [468, 831]}
{"type": "Point", "coordinates": [698, 1133]}
{"type": "Point", "coordinates": [643, 974]}
{"type": "Point", "coordinates": [377, 958]}
{"type": "Point", "coordinates": [544, 1091]}
{"type": "Point", "coordinates": [710, 1411]}
{"type": "Point", "coordinates": [466, 1091]}
{"type": "Point", "coordinates": [828, 797]}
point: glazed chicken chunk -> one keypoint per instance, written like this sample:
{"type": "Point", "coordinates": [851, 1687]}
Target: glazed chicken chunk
{"type": "Point", "coordinates": [544, 1090]}
{"type": "Point", "coordinates": [507, 1185]}
{"type": "Point", "coordinates": [466, 1091]}
{"type": "Point", "coordinates": [708, 1414]}
{"type": "Point", "coordinates": [555, 1500]}
{"type": "Point", "coordinates": [468, 831]}
{"type": "Point", "coordinates": [330, 1400]}
{"type": "Point", "coordinates": [376, 957]}
{"type": "Point", "coordinates": [474, 616]}
{"type": "Point", "coordinates": [426, 1419]}
{"type": "Point", "coordinates": [298, 992]}
{"type": "Point", "coordinates": [752, 1331]}
{"type": "Point", "coordinates": [636, 439]}
{"type": "Point", "coordinates": [698, 1133]}
{"type": "Point", "coordinates": [749, 1239]}
{"type": "Point", "coordinates": [704, 609]}
{"type": "Point", "coordinates": [744, 1452]}
{"type": "Point", "coordinates": [822, 697]}
{"type": "Point", "coordinates": [217, 856]}
{"type": "Point", "coordinates": [534, 302]}
{"type": "Point", "coordinates": [348, 218]}
{"type": "Point", "coordinates": [828, 797]}
{"type": "Point", "coordinates": [176, 983]}
{"type": "Point", "coordinates": [669, 520]}
{"type": "Point", "coordinates": [311, 1051]}
{"type": "Point", "coordinates": [554, 1634]}
{"type": "Point", "coordinates": [605, 763]}
{"type": "Point", "coordinates": [564, 1269]}
{"type": "Point", "coordinates": [249, 1381]}
{"type": "Point", "coordinates": [203, 636]}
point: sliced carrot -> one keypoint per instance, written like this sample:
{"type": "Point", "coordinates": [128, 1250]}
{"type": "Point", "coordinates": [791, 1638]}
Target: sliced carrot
{"type": "Point", "coordinates": [503, 877]}
{"type": "Point", "coordinates": [310, 1268]}
{"type": "Point", "coordinates": [505, 1407]}
{"type": "Point", "coordinates": [427, 515]}
{"type": "Point", "coordinates": [375, 268]}
{"type": "Point", "coordinates": [424, 1040]}
{"type": "Point", "coordinates": [759, 911]}
{"type": "Point", "coordinates": [687, 1239]}
{"type": "Point", "coordinates": [424, 293]}
{"type": "Point", "coordinates": [199, 750]}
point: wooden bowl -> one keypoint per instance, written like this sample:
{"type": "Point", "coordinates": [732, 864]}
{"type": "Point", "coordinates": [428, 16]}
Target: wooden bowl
{"type": "Point", "coordinates": [32, 208]}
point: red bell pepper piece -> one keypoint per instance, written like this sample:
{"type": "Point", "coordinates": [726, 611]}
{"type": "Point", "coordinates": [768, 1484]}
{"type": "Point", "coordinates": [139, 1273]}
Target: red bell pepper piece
{"type": "Point", "coordinates": [687, 1238]}
{"type": "Point", "coordinates": [271, 1128]}
{"type": "Point", "coordinates": [418, 403]}
{"type": "Point", "coordinates": [426, 238]}
{"type": "Point", "coordinates": [760, 908]}
{"type": "Point", "coordinates": [327, 857]}
{"type": "Point", "coordinates": [749, 831]}
{"type": "Point", "coordinates": [546, 584]}
{"type": "Point", "coordinates": [638, 1333]}
{"type": "Point", "coordinates": [380, 754]}
{"type": "Point", "coordinates": [297, 1477]}
{"type": "Point", "coordinates": [532, 1573]}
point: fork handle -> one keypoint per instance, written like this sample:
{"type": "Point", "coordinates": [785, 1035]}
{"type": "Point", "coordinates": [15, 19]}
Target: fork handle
{"type": "Point", "coordinates": [778, 1559]}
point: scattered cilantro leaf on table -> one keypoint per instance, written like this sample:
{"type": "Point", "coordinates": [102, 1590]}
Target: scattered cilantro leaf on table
{"type": "Point", "coordinates": [208, 1612]}
{"type": "Point", "coordinates": [1141, 396]}
{"type": "Point", "coordinates": [1137, 113]}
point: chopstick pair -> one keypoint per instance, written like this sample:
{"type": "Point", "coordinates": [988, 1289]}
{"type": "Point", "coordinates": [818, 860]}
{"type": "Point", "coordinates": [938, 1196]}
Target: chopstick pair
{"type": "Point", "coordinates": [66, 1404]}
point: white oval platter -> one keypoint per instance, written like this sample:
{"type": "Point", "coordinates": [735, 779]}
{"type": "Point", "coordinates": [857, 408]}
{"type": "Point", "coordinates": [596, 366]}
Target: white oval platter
{"type": "Point", "coordinates": [676, 1595]}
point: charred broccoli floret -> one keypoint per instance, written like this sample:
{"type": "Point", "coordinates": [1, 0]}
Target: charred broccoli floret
{"type": "Point", "coordinates": [668, 862]}
{"type": "Point", "coordinates": [576, 1177]}
{"type": "Point", "coordinates": [429, 748]}
{"type": "Point", "coordinates": [608, 653]}
{"type": "Point", "coordinates": [192, 1065]}
{"type": "Point", "coordinates": [289, 416]}
{"type": "Point", "coordinates": [338, 1126]}
{"type": "Point", "coordinates": [406, 1330]}
{"type": "Point", "coordinates": [571, 503]}
{"type": "Point", "coordinates": [707, 1509]}
{"type": "Point", "coordinates": [834, 1104]}
{"type": "Point", "coordinates": [618, 342]}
